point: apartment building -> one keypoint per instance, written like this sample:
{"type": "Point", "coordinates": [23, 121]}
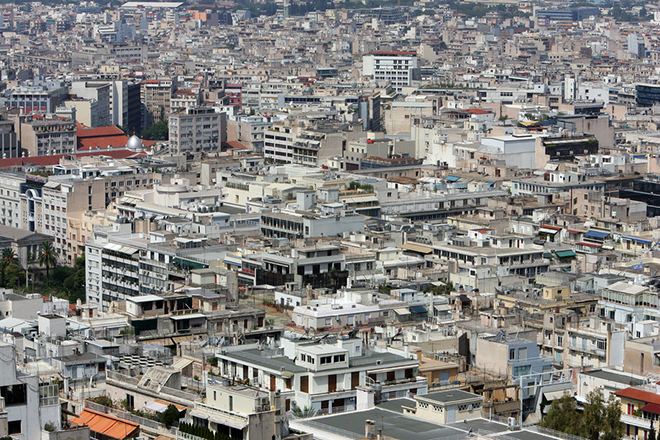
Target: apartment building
{"type": "Point", "coordinates": [241, 412]}
{"type": "Point", "coordinates": [28, 404]}
{"type": "Point", "coordinates": [44, 136]}
{"type": "Point", "coordinates": [572, 342]}
{"type": "Point", "coordinates": [482, 264]}
{"type": "Point", "coordinates": [197, 129]}
{"type": "Point", "coordinates": [10, 202]}
{"type": "Point", "coordinates": [327, 375]}
{"type": "Point", "coordinates": [92, 101]}
{"type": "Point", "coordinates": [65, 200]}
{"type": "Point", "coordinates": [396, 67]}
{"type": "Point", "coordinates": [251, 130]}
{"type": "Point", "coordinates": [156, 97]}
{"type": "Point", "coordinates": [278, 142]}
{"type": "Point", "coordinates": [38, 98]}
{"type": "Point", "coordinates": [293, 224]}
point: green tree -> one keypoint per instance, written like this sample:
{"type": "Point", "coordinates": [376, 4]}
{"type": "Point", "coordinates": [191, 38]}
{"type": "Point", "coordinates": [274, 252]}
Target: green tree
{"type": "Point", "coordinates": [651, 432]}
{"type": "Point", "coordinates": [600, 420]}
{"type": "Point", "coordinates": [170, 415]}
{"type": "Point", "coordinates": [157, 132]}
{"type": "Point", "coordinates": [562, 415]}
{"type": "Point", "coordinates": [14, 276]}
{"type": "Point", "coordinates": [593, 417]}
{"type": "Point", "coordinates": [47, 257]}
{"type": "Point", "coordinates": [613, 427]}
{"type": "Point", "coordinates": [8, 258]}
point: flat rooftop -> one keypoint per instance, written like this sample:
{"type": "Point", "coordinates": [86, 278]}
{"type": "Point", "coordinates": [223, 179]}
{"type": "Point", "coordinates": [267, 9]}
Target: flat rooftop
{"type": "Point", "coordinates": [451, 396]}
{"type": "Point", "coordinates": [614, 376]}
{"type": "Point", "coordinates": [396, 425]}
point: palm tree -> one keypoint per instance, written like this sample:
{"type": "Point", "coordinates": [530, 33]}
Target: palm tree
{"type": "Point", "coordinates": [47, 257]}
{"type": "Point", "coordinates": [8, 257]}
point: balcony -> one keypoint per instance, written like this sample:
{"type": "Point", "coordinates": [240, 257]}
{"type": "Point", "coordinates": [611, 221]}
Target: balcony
{"type": "Point", "coordinates": [632, 420]}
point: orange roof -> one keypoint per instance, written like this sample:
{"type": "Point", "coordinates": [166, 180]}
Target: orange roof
{"type": "Point", "coordinates": [237, 145]}
{"type": "Point", "coordinates": [55, 159]}
{"type": "Point", "coordinates": [641, 395]}
{"type": "Point", "coordinates": [86, 132]}
{"type": "Point", "coordinates": [478, 111]}
{"type": "Point", "coordinates": [179, 407]}
{"type": "Point", "coordinates": [106, 424]}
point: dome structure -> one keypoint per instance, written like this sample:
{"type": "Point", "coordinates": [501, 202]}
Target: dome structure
{"type": "Point", "coordinates": [134, 143]}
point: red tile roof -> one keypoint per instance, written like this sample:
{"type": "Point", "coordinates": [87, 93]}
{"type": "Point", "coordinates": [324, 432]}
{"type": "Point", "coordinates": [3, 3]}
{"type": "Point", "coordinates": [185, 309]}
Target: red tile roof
{"type": "Point", "coordinates": [478, 111]}
{"type": "Point", "coordinates": [86, 132]}
{"type": "Point", "coordinates": [55, 159]}
{"type": "Point", "coordinates": [653, 408]}
{"type": "Point", "coordinates": [641, 395]}
{"type": "Point", "coordinates": [237, 145]}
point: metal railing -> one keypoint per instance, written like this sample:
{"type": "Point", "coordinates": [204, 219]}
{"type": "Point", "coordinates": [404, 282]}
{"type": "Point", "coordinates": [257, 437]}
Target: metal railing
{"type": "Point", "coordinates": [558, 434]}
{"type": "Point", "coordinates": [142, 421]}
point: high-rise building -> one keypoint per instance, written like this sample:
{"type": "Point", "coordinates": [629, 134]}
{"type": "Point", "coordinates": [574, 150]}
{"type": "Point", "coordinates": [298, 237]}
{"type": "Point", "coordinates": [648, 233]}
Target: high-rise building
{"type": "Point", "coordinates": [194, 130]}
{"type": "Point", "coordinates": [397, 67]}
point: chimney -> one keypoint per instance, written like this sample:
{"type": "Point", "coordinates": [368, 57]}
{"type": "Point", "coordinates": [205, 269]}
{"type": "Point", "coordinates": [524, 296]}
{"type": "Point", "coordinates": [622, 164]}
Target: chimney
{"type": "Point", "coordinates": [308, 289]}
{"type": "Point", "coordinates": [419, 356]}
{"type": "Point", "coordinates": [369, 429]}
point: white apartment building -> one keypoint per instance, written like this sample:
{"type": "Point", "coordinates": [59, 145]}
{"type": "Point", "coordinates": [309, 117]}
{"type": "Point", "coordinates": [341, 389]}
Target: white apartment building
{"type": "Point", "coordinates": [92, 102]}
{"type": "Point", "coordinates": [329, 375]}
{"type": "Point", "coordinates": [198, 129]}
{"type": "Point", "coordinates": [10, 204]}
{"type": "Point", "coordinates": [28, 404]}
{"type": "Point", "coordinates": [397, 67]}
{"type": "Point", "coordinates": [278, 143]}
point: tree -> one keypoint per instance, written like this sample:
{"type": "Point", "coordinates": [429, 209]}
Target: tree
{"type": "Point", "coordinates": [562, 415]}
{"type": "Point", "coordinates": [157, 132]}
{"type": "Point", "coordinates": [613, 427]}
{"type": "Point", "coordinates": [170, 415]}
{"type": "Point", "coordinates": [8, 258]}
{"type": "Point", "coordinates": [600, 420]}
{"type": "Point", "coordinates": [651, 432]}
{"type": "Point", "coordinates": [303, 413]}
{"type": "Point", "coordinates": [47, 257]}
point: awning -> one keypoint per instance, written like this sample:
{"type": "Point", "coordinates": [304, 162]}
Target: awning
{"type": "Point", "coordinates": [402, 311]}
{"type": "Point", "coordinates": [652, 408]}
{"type": "Point", "coordinates": [232, 422]}
{"type": "Point", "coordinates": [442, 307]}
{"type": "Point", "coordinates": [565, 254]}
{"type": "Point", "coordinates": [189, 264]}
{"type": "Point", "coordinates": [452, 178]}
{"type": "Point", "coordinates": [548, 231]}
{"type": "Point", "coordinates": [598, 235]}
{"type": "Point", "coordinates": [179, 407]}
{"type": "Point", "coordinates": [547, 255]}
{"type": "Point", "coordinates": [553, 395]}
{"type": "Point", "coordinates": [187, 316]}
{"type": "Point", "coordinates": [182, 363]}
{"type": "Point", "coordinates": [107, 425]}
{"type": "Point", "coordinates": [418, 309]}
{"type": "Point", "coordinates": [638, 240]}
{"type": "Point", "coordinates": [419, 248]}
{"type": "Point", "coordinates": [156, 407]}
{"type": "Point", "coordinates": [593, 245]}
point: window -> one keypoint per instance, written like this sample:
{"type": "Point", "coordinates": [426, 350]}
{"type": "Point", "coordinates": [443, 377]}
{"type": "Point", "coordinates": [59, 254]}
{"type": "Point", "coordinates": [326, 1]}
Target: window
{"type": "Point", "coordinates": [14, 394]}
{"type": "Point", "coordinates": [326, 360]}
{"type": "Point", "coordinates": [512, 354]}
{"type": "Point", "coordinates": [304, 384]}
{"type": "Point", "coordinates": [14, 427]}
{"type": "Point", "coordinates": [601, 345]}
{"type": "Point", "coordinates": [340, 357]}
